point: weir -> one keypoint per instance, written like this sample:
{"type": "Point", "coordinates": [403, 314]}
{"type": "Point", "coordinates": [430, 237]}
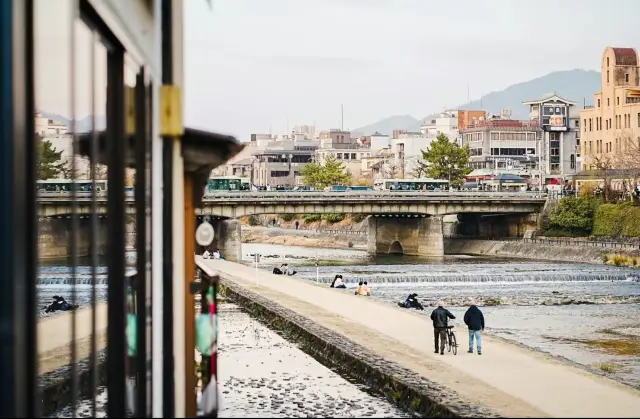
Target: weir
{"type": "Point", "coordinates": [399, 340]}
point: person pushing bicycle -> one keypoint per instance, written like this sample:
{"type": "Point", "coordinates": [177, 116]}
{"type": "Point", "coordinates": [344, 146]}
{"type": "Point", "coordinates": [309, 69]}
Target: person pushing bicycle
{"type": "Point", "coordinates": [440, 317]}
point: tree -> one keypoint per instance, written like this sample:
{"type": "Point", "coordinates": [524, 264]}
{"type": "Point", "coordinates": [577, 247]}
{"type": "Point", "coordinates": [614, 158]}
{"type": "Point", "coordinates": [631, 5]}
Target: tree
{"type": "Point", "coordinates": [574, 215]}
{"type": "Point", "coordinates": [420, 168]}
{"type": "Point", "coordinates": [447, 160]}
{"type": "Point", "coordinates": [332, 172]}
{"type": "Point", "coordinates": [50, 164]}
{"type": "Point", "coordinates": [603, 166]}
{"type": "Point", "coordinates": [628, 161]}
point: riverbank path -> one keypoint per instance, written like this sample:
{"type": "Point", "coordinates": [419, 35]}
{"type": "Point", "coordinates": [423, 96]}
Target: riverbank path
{"type": "Point", "coordinates": [511, 380]}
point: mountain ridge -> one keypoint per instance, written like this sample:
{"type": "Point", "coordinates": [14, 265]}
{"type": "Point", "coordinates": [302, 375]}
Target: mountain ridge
{"type": "Point", "coordinates": [576, 85]}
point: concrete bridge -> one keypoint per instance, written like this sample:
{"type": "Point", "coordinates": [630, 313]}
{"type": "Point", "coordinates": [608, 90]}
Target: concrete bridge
{"type": "Point", "coordinates": [402, 222]}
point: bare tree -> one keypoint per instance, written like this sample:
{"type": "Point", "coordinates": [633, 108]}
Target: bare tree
{"type": "Point", "coordinates": [603, 165]}
{"type": "Point", "coordinates": [628, 161]}
{"type": "Point", "coordinates": [419, 169]}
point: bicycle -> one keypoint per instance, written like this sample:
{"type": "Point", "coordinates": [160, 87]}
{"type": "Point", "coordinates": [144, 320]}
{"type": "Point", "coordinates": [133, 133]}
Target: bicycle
{"type": "Point", "coordinates": [452, 343]}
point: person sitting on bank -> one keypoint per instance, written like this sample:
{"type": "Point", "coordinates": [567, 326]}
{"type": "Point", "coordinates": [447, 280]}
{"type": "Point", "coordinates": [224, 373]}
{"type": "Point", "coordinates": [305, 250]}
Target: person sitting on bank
{"type": "Point", "coordinates": [216, 254]}
{"type": "Point", "coordinates": [358, 288]}
{"type": "Point", "coordinates": [365, 290]}
{"type": "Point", "coordinates": [337, 282]}
{"type": "Point", "coordinates": [412, 302]}
{"type": "Point", "coordinates": [206, 254]}
{"type": "Point", "coordinates": [59, 304]}
{"type": "Point", "coordinates": [277, 271]}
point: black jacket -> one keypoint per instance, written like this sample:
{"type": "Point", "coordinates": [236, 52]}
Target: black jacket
{"type": "Point", "coordinates": [474, 319]}
{"type": "Point", "coordinates": [440, 317]}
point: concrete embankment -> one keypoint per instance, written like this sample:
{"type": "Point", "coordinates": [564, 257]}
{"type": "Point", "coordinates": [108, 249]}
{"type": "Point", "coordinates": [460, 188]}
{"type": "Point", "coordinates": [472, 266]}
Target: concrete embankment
{"type": "Point", "coordinates": [54, 356]}
{"type": "Point", "coordinates": [516, 249]}
{"type": "Point", "coordinates": [391, 349]}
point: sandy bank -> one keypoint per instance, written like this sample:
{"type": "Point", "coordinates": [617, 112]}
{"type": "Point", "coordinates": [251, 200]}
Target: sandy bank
{"type": "Point", "coordinates": [304, 238]}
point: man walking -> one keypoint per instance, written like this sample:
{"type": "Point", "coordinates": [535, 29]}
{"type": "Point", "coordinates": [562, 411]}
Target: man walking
{"type": "Point", "coordinates": [440, 317]}
{"type": "Point", "coordinates": [474, 319]}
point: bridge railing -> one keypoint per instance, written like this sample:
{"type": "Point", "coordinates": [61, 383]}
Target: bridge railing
{"type": "Point", "coordinates": [364, 195]}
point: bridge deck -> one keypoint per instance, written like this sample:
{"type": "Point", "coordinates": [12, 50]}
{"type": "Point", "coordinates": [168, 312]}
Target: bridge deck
{"type": "Point", "coordinates": [513, 381]}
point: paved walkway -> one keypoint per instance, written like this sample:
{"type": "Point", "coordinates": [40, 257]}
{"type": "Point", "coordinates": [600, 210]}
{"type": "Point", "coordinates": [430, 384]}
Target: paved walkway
{"type": "Point", "coordinates": [513, 381]}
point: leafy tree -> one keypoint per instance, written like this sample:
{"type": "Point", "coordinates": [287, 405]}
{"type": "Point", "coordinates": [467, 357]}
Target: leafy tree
{"type": "Point", "coordinates": [447, 159]}
{"type": "Point", "coordinates": [50, 163]}
{"type": "Point", "coordinates": [332, 172]}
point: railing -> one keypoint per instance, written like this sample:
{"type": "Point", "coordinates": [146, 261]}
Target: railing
{"type": "Point", "coordinates": [556, 242]}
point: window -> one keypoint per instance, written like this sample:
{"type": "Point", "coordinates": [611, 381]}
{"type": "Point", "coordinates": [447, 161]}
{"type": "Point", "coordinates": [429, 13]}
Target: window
{"type": "Point", "coordinates": [608, 102]}
{"type": "Point", "coordinates": [638, 119]}
{"type": "Point", "coordinates": [626, 77]}
{"type": "Point", "coordinates": [585, 125]}
{"type": "Point", "coordinates": [573, 161]}
{"type": "Point", "coordinates": [353, 156]}
{"type": "Point", "coordinates": [607, 76]}
{"type": "Point", "coordinates": [618, 100]}
{"type": "Point", "coordinates": [591, 126]}
{"type": "Point", "coordinates": [339, 156]}
{"type": "Point", "coordinates": [598, 103]}
{"type": "Point", "coordinates": [597, 125]}
{"type": "Point", "coordinates": [607, 61]}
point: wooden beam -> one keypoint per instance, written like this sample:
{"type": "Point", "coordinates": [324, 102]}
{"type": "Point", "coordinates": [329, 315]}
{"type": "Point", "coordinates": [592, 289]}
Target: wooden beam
{"type": "Point", "coordinates": [191, 381]}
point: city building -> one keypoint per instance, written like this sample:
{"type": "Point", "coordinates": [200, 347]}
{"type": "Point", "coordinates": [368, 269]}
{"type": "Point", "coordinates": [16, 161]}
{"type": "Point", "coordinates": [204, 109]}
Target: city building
{"type": "Point", "coordinates": [48, 127]}
{"type": "Point", "coordinates": [446, 123]}
{"type": "Point", "coordinates": [351, 158]}
{"type": "Point", "coordinates": [309, 131]}
{"type": "Point", "coordinates": [261, 140]}
{"type": "Point", "coordinates": [611, 127]}
{"type": "Point", "coordinates": [407, 151]}
{"type": "Point", "coordinates": [465, 117]}
{"type": "Point", "coordinates": [499, 144]}
{"type": "Point", "coordinates": [559, 122]}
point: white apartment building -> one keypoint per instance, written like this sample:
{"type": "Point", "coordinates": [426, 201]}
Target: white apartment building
{"type": "Point", "coordinates": [407, 150]}
{"type": "Point", "coordinates": [446, 123]}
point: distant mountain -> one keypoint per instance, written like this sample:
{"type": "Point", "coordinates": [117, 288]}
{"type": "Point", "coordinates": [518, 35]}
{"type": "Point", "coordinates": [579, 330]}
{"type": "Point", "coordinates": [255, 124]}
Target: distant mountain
{"type": "Point", "coordinates": [387, 125]}
{"type": "Point", "coordinates": [82, 125]}
{"type": "Point", "coordinates": [575, 85]}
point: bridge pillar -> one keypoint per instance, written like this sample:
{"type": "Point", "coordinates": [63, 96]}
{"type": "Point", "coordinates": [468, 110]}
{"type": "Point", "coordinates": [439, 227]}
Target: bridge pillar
{"type": "Point", "coordinates": [227, 239]}
{"type": "Point", "coordinates": [54, 235]}
{"type": "Point", "coordinates": [417, 236]}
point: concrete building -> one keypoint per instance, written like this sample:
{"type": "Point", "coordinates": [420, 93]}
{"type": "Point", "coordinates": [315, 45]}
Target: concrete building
{"type": "Point", "coordinates": [309, 131]}
{"type": "Point", "coordinates": [611, 127]}
{"type": "Point", "coordinates": [499, 144]}
{"type": "Point", "coordinates": [559, 122]}
{"type": "Point", "coordinates": [446, 123]}
{"type": "Point", "coordinates": [47, 127]}
{"type": "Point", "coordinates": [407, 150]}
{"type": "Point", "coordinates": [261, 140]}
{"type": "Point", "coordinates": [351, 158]}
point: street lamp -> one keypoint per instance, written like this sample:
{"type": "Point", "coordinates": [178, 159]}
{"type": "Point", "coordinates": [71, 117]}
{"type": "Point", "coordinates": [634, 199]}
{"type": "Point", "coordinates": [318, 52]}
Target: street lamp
{"type": "Point", "coordinates": [290, 156]}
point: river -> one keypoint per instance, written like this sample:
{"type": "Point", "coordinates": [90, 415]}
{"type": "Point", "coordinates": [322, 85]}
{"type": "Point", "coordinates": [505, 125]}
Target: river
{"type": "Point", "coordinates": [587, 314]}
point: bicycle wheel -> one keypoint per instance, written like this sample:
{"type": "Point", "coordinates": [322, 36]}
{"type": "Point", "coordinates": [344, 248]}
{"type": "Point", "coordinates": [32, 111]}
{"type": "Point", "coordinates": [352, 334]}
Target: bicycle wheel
{"type": "Point", "coordinates": [453, 343]}
{"type": "Point", "coordinates": [449, 341]}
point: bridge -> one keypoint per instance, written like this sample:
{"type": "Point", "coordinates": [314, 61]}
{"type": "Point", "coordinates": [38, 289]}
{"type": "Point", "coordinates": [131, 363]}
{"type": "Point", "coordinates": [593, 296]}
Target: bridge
{"type": "Point", "coordinates": [402, 222]}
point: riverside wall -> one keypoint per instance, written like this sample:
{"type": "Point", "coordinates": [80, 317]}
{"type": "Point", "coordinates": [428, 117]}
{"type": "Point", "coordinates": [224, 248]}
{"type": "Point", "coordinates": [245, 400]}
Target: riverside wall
{"type": "Point", "coordinates": [517, 249]}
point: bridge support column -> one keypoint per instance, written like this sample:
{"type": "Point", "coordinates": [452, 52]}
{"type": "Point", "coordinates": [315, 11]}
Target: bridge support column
{"type": "Point", "coordinates": [54, 235]}
{"type": "Point", "coordinates": [417, 236]}
{"type": "Point", "coordinates": [227, 239]}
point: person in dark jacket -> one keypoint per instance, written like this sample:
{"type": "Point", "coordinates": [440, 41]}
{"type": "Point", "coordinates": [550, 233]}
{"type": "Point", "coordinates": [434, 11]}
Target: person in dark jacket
{"type": "Point", "coordinates": [440, 317]}
{"type": "Point", "coordinates": [474, 319]}
{"type": "Point", "coordinates": [412, 302]}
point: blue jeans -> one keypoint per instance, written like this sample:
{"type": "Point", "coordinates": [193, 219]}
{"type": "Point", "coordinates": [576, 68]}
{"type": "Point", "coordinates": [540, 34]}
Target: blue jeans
{"type": "Point", "coordinates": [478, 335]}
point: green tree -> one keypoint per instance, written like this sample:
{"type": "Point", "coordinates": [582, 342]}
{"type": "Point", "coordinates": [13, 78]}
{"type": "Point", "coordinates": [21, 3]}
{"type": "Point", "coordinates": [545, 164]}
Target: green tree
{"type": "Point", "coordinates": [332, 172]}
{"type": "Point", "coordinates": [446, 159]}
{"type": "Point", "coordinates": [50, 164]}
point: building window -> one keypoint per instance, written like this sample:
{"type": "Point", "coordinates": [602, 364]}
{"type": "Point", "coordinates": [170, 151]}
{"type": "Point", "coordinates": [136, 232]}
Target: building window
{"type": "Point", "coordinates": [573, 161]}
{"type": "Point", "coordinates": [638, 119]}
{"type": "Point", "coordinates": [585, 125]}
{"type": "Point", "coordinates": [339, 156]}
{"type": "Point", "coordinates": [591, 126]}
{"type": "Point", "coordinates": [353, 156]}
{"type": "Point", "coordinates": [607, 76]}
{"type": "Point", "coordinates": [626, 77]}
{"type": "Point", "coordinates": [598, 103]}
{"type": "Point", "coordinates": [608, 102]}
{"type": "Point", "coordinates": [597, 125]}
{"type": "Point", "coordinates": [607, 61]}
{"type": "Point", "coordinates": [610, 125]}
{"type": "Point", "coordinates": [618, 100]}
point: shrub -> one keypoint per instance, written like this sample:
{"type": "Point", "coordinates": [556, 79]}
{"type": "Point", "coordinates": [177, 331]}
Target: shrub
{"type": "Point", "coordinates": [333, 218]}
{"type": "Point", "coordinates": [574, 214]}
{"type": "Point", "coordinates": [253, 220]}
{"type": "Point", "coordinates": [288, 217]}
{"type": "Point", "coordinates": [631, 222]}
{"type": "Point", "coordinates": [311, 218]}
{"type": "Point", "coordinates": [608, 221]}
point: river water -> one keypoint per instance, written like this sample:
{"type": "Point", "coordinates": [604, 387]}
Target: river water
{"type": "Point", "coordinates": [559, 308]}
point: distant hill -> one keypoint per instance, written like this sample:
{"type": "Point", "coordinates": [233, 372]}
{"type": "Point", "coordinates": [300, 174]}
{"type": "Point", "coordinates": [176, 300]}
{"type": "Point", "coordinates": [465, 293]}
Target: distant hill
{"type": "Point", "coordinates": [575, 85]}
{"type": "Point", "coordinates": [82, 125]}
{"type": "Point", "coordinates": [387, 125]}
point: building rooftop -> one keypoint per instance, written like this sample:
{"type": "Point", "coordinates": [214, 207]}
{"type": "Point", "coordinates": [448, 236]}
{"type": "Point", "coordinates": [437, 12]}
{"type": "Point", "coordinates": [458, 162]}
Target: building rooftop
{"type": "Point", "coordinates": [549, 97]}
{"type": "Point", "coordinates": [625, 56]}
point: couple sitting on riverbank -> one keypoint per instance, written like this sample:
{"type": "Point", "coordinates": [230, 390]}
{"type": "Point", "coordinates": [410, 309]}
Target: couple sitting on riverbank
{"type": "Point", "coordinates": [215, 255]}
{"type": "Point", "coordinates": [59, 304]}
{"type": "Point", "coordinates": [337, 282]}
{"type": "Point", "coordinates": [284, 270]}
{"type": "Point", "coordinates": [363, 289]}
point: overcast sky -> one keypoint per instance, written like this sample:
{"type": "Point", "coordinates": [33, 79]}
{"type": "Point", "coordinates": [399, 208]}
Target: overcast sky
{"type": "Point", "coordinates": [252, 65]}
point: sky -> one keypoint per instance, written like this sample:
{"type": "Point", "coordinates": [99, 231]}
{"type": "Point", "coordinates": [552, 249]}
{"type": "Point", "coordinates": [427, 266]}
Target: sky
{"type": "Point", "coordinates": [254, 66]}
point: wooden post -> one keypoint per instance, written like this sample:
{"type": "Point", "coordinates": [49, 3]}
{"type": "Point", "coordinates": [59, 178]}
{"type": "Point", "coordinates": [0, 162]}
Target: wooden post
{"type": "Point", "coordinates": [191, 408]}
